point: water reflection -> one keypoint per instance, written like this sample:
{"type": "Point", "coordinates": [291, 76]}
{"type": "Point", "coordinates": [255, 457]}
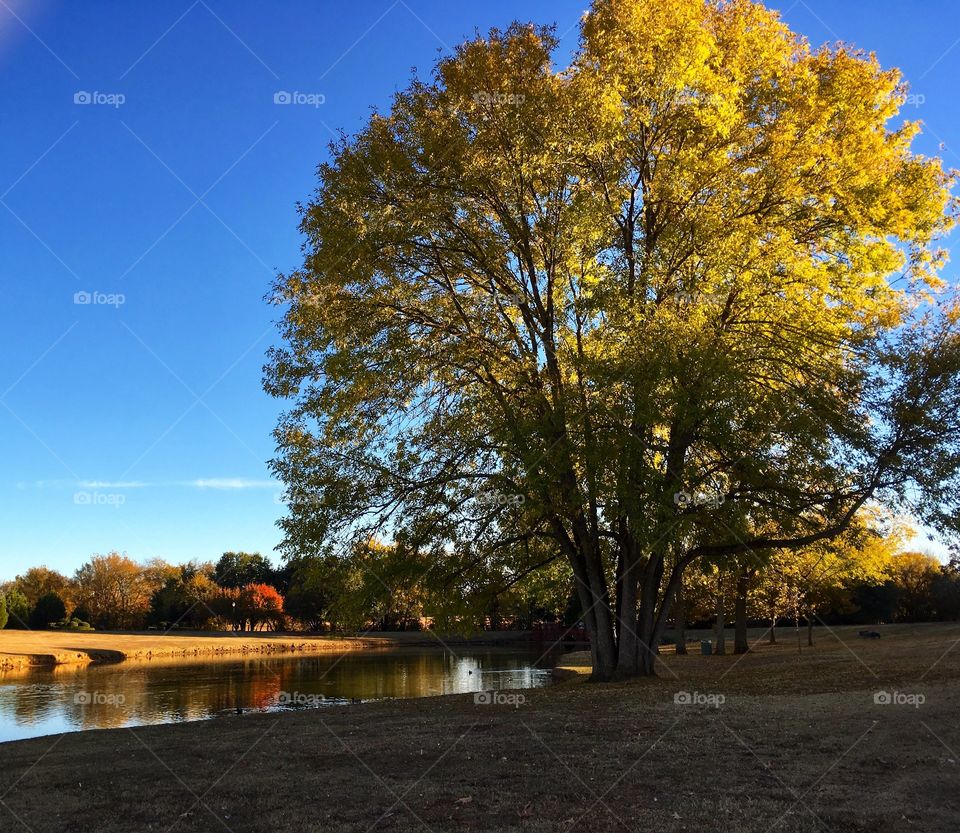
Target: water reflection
{"type": "Point", "coordinates": [68, 699]}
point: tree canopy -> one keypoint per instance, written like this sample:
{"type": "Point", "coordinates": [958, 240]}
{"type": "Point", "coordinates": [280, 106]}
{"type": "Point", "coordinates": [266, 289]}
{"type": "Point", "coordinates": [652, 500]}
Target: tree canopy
{"type": "Point", "coordinates": [676, 301]}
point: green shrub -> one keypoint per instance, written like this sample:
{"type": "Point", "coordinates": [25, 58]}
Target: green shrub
{"type": "Point", "coordinates": [73, 624]}
{"type": "Point", "coordinates": [3, 611]}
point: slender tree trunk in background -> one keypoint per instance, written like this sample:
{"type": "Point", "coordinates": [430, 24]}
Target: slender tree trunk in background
{"type": "Point", "coordinates": [740, 644]}
{"type": "Point", "coordinates": [809, 626]}
{"type": "Point", "coordinates": [495, 619]}
{"type": "Point", "coordinates": [773, 623]}
{"type": "Point", "coordinates": [680, 606]}
{"type": "Point", "coordinates": [618, 602]}
{"type": "Point", "coordinates": [721, 636]}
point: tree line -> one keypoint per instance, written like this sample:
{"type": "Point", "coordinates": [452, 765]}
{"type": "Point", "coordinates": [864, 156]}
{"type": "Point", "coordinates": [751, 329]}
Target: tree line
{"type": "Point", "coordinates": [383, 587]}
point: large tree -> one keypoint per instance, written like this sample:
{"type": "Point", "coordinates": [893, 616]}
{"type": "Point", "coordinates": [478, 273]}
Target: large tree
{"type": "Point", "coordinates": [678, 301]}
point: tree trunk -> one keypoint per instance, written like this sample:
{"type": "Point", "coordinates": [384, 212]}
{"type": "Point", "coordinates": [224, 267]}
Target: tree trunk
{"type": "Point", "coordinates": [680, 605]}
{"type": "Point", "coordinates": [596, 616]}
{"type": "Point", "coordinates": [650, 624]}
{"type": "Point", "coordinates": [740, 644]}
{"type": "Point", "coordinates": [809, 627]}
{"type": "Point", "coordinates": [773, 624]}
{"type": "Point", "coordinates": [721, 639]}
{"type": "Point", "coordinates": [628, 623]}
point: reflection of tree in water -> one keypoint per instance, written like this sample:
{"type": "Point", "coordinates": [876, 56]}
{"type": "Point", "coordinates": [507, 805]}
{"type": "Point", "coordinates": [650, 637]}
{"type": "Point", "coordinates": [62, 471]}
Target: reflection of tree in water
{"type": "Point", "coordinates": [27, 704]}
{"type": "Point", "coordinates": [154, 693]}
{"type": "Point", "coordinates": [399, 674]}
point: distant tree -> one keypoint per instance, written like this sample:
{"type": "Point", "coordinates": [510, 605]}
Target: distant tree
{"type": "Point", "coordinates": [261, 605]}
{"type": "Point", "coordinates": [18, 608]}
{"type": "Point", "coordinates": [915, 574]}
{"type": "Point", "coordinates": [184, 599]}
{"type": "Point", "coordinates": [115, 591]}
{"type": "Point", "coordinates": [82, 613]}
{"type": "Point", "coordinates": [49, 608]}
{"type": "Point", "coordinates": [382, 586]}
{"type": "Point", "coordinates": [310, 592]}
{"type": "Point", "coordinates": [3, 611]}
{"type": "Point", "coordinates": [157, 571]}
{"type": "Point", "coordinates": [227, 608]}
{"type": "Point", "coordinates": [39, 581]}
{"type": "Point", "coordinates": [876, 602]}
{"type": "Point", "coordinates": [251, 607]}
{"type": "Point", "coordinates": [946, 596]}
{"type": "Point", "coordinates": [821, 577]}
{"type": "Point", "coordinates": [238, 569]}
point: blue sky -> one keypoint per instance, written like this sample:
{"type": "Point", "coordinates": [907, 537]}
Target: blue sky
{"type": "Point", "coordinates": [145, 163]}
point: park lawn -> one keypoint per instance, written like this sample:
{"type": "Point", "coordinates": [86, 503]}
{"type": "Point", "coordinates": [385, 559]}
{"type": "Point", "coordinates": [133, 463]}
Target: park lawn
{"type": "Point", "coordinates": [21, 650]}
{"type": "Point", "coordinates": [798, 745]}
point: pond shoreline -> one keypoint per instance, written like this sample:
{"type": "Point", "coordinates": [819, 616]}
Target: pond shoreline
{"type": "Point", "coordinates": [25, 651]}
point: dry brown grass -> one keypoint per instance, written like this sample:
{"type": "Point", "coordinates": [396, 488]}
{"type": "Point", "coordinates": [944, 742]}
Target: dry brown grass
{"type": "Point", "coordinates": [798, 745]}
{"type": "Point", "coordinates": [21, 650]}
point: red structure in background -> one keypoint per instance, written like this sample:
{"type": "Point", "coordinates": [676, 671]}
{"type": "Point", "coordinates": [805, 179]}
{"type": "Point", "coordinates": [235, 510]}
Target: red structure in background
{"type": "Point", "coordinates": [556, 633]}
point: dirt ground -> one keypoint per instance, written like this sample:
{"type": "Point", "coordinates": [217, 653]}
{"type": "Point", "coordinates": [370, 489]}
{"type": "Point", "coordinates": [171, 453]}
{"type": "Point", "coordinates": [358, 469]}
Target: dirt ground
{"type": "Point", "coordinates": [853, 735]}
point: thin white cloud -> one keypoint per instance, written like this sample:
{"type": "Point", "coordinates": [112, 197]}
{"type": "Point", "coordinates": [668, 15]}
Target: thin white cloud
{"type": "Point", "coordinates": [234, 483]}
{"type": "Point", "coordinates": [220, 483]}
{"type": "Point", "coordinates": [45, 484]}
{"type": "Point", "coordinates": [112, 484]}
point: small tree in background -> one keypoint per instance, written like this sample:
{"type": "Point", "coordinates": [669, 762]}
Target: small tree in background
{"type": "Point", "coordinates": [39, 581]}
{"type": "Point", "coordinates": [312, 590]}
{"type": "Point", "coordinates": [48, 609]}
{"type": "Point", "coordinates": [259, 605]}
{"type": "Point", "coordinates": [184, 598]}
{"type": "Point", "coordinates": [238, 569]}
{"type": "Point", "coordinates": [115, 590]}
{"type": "Point", "coordinates": [3, 612]}
{"type": "Point", "coordinates": [18, 608]}
{"type": "Point", "coordinates": [915, 574]}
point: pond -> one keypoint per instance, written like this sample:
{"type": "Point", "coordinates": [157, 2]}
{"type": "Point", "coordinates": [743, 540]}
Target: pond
{"type": "Point", "coordinates": [69, 699]}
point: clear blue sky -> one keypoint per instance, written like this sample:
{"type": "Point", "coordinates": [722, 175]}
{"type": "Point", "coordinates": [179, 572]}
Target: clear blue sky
{"type": "Point", "coordinates": [174, 186]}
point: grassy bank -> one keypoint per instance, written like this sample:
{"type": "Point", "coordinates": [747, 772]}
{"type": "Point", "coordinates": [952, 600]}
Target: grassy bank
{"type": "Point", "coordinates": [23, 650]}
{"type": "Point", "coordinates": [798, 743]}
